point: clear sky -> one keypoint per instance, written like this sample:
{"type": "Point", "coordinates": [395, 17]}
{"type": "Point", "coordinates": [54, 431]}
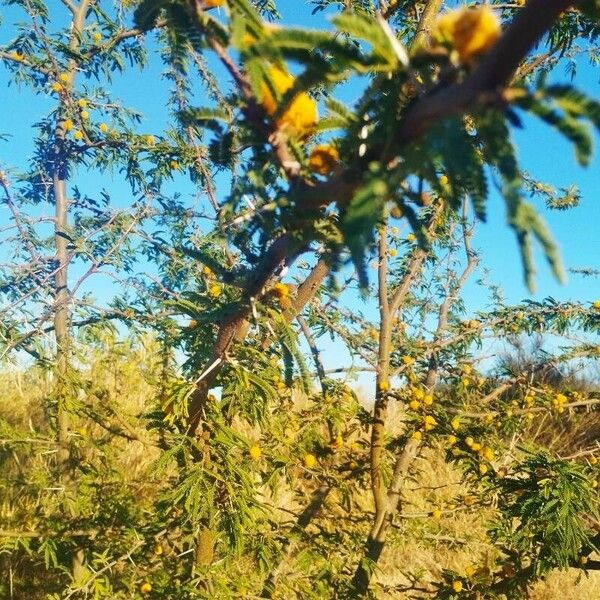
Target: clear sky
{"type": "Point", "coordinates": [542, 151]}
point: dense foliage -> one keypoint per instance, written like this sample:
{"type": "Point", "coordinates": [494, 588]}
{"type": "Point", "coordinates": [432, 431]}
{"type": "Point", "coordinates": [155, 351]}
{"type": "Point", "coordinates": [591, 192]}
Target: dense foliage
{"type": "Point", "coordinates": [284, 387]}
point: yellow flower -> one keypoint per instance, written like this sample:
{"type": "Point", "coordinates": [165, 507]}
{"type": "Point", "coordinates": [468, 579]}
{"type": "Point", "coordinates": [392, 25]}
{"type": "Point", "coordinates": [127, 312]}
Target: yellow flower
{"type": "Point", "coordinates": [411, 237]}
{"type": "Point", "coordinates": [436, 513]}
{"type": "Point", "coordinates": [469, 441]}
{"type": "Point", "coordinates": [158, 550]}
{"type": "Point", "coordinates": [281, 291]}
{"type": "Point", "coordinates": [255, 452]}
{"type": "Point", "coordinates": [149, 139]}
{"type": "Point", "coordinates": [214, 290]}
{"type": "Point", "coordinates": [428, 399]}
{"type": "Point", "coordinates": [310, 460]}
{"type": "Point", "coordinates": [300, 116]}
{"type": "Point", "coordinates": [408, 360]}
{"type": "Point", "coordinates": [57, 87]}
{"type": "Point", "coordinates": [103, 127]}
{"type": "Point", "coordinates": [384, 386]}
{"type": "Point", "coordinates": [63, 77]}
{"type": "Point", "coordinates": [394, 230]}
{"type": "Point", "coordinates": [145, 588]}
{"type": "Point", "coordinates": [208, 271]}
{"type": "Point", "coordinates": [476, 446]}
{"type": "Point", "coordinates": [444, 179]}
{"type": "Point", "coordinates": [469, 570]}
{"type": "Point", "coordinates": [67, 124]}
{"type": "Point", "coordinates": [414, 405]}
{"type": "Point", "coordinates": [483, 469]}
{"type": "Point", "coordinates": [97, 36]}
{"type": "Point", "coordinates": [418, 394]}
{"type": "Point", "coordinates": [174, 165]}
{"type": "Point", "coordinates": [78, 135]}
{"type": "Point", "coordinates": [593, 460]}
{"type": "Point", "coordinates": [457, 586]}
{"type": "Point", "coordinates": [85, 114]}
{"type": "Point", "coordinates": [471, 31]}
{"type": "Point", "coordinates": [594, 483]}
{"type": "Point", "coordinates": [82, 103]}
{"type": "Point", "coordinates": [417, 435]}
{"type": "Point", "coordinates": [597, 304]}
{"type": "Point", "coordinates": [323, 158]}
{"type": "Point", "coordinates": [488, 453]}
{"type": "Point", "coordinates": [466, 369]}
{"type": "Point", "coordinates": [393, 252]}
{"type": "Point", "coordinates": [18, 56]}
{"type": "Point", "coordinates": [451, 439]}
{"type": "Point", "coordinates": [429, 422]}
{"type": "Point", "coordinates": [455, 423]}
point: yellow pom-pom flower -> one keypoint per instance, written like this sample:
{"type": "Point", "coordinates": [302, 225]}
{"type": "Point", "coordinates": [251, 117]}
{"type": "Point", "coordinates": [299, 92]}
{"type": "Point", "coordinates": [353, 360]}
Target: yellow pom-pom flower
{"type": "Point", "coordinates": [78, 135]}
{"type": "Point", "coordinates": [457, 586]}
{"type": "Point", "coordinates": [149, 139]}
{"type": "Point", "coordinates": [417, 435]}
{"type": "Point", "coordinates": [255, 452]}
{"type": "Point", "coordinates": [82, 103]}
{"type": "Point", "coordinates": [470, 31]}
{"type": "Point", "coordinates": [408, 360]}
{"type": "Point", "coordinates": [429, 422]}
{"type": "Point", "coordinates": [145, 588]}
{"type": "Point", "coordinates": [103, 127]}
{"type": "Point", "coordinates": [67, 124]}
{"type": "Point", "coordinates": [301, 115]}
{"type": "Point", "coordinates": [455, 423]}
{"type": "Point", "coordinates": [310, 460]}
{"type": "Point", "coordinates": [323, 158]}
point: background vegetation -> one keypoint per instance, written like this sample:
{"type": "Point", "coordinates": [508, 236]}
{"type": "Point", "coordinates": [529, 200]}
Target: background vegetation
{"type": "Point", "coordinates": [284, 393]}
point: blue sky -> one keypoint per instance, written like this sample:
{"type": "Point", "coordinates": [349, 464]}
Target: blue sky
{"type": "Point", "coordinates": [543, 154]}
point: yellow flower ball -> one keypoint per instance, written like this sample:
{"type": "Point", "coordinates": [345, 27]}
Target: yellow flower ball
{"type": "Point", "coordinates": [394, 230]}
{"type": "Point", "coordinates": [103, 127]}
{"type": "Point", "coordinates": [174, 165]}
{"type": "Point", "coordinates": [417, 435]}
{"type": "Point", "coordinates": [596, 304]}
{"type": "Point", "coordinates": [82, 103]}
{"type": "Point", "coordinates": [310, 460]}
{"type": "Point", "coordinates": [408, 360]}
{"type": "Point", "coordinates": [414, 405]}
{"type": "Point", "coordinates": [85, 114]}
{"type": "Point", "coordinates": [393, 252]}
{"type": "Point", "coordinates": [483, 469]}
{"type": "Point", "coordinates": [488, 453]}
{"type": "Point", "coordinates": [57, 87]}
{"type": "Point", "coordinates": [97, 36]}
{"type": "Point", "coordinates": [63, 77]}
{"type": "Point", "coordinates": [436, 513]}
{"type": "Point", "coordinates": [145, 588]}
{"type": "Point", "coordinates": [214, 290]}
{"type": "Point", "coordinates": [451, 439]}
{"type": "Point", "coordinates": [323, 158]}
{"type": "Point", "coordinates": [255, 452]}
{"type": "Point", "coordinates": [78, 135]}
{"type": "Point", "coordinates": [471, 31]}
{"type": "Point", "coordinates": [67, 124]}
{"type": "Point", "coordinates": [411, 237]}
{"type": "Point", "coordinates": [428, 399]}
{"type": "Point", "coordinates": [149, 140]}
{"type": "Point", "coordinates": [455, 423]}
{"type": "Point", "coordinates": [457, 586]}
{"type": "Point", "coordinates": [429, 422]}
{"type": "Point", "coordinates": [301, 115]}
{"type": "Point", "coordinates": [469, 441]}
{"type": "Point", "coordinates": [281, 291]}
{"type": "Point", "coordinates": [444, 180]}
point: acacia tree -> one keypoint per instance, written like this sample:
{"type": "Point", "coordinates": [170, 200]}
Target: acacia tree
{"type": "Point", "coordinates": [431, 127]}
